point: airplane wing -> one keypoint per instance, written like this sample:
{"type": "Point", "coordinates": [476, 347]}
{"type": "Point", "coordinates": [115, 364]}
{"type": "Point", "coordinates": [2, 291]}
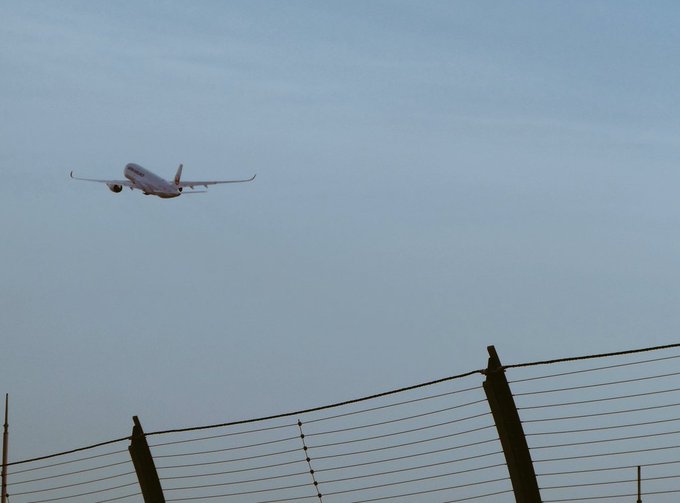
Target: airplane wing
{"type": "Point", "coordinates": [192, 184]}
{"type": "Point", "coordinates": [124, 183]}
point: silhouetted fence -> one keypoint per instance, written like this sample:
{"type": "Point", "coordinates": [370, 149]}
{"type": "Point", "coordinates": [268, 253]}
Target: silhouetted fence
{"type": "Point", "coordinates": [588, 423]}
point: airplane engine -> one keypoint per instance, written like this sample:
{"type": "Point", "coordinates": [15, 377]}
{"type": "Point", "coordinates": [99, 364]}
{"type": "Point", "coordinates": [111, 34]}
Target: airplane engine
{"type": "Point", "coordinates": [114, 187]}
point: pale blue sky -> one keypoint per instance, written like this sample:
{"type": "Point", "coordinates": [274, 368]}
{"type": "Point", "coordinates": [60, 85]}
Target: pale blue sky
{"type": "Point", "coordinates": [433, 177]}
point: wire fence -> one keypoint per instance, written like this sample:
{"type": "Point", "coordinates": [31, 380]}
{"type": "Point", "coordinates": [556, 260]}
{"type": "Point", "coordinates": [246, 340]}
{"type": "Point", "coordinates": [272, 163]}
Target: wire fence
{"type": "Point", "coordinates": [437, 444]}
{"type": "Point", "coordinates": [589, 424]}
{"type": "Point", "coordinates": [102, 474]}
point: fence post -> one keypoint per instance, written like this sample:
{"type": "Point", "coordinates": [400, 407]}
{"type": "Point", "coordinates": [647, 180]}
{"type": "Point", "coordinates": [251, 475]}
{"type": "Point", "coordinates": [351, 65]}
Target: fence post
{"type": "Point", "coordinates": [510, 432]}
{"type": "Point", "coordinates": [144, 465]}
{"type": "Point", "coordinates": [5, 447]}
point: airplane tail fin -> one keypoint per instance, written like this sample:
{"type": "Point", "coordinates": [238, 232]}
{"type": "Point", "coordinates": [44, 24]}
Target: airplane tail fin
{"type": "Point", "coordinates": [178, 175]}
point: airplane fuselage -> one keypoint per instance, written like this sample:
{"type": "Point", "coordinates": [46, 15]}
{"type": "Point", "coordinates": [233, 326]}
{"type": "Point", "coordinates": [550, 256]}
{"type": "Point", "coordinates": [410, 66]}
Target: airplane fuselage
{"type": "Point", "coordinates": [150, 183]}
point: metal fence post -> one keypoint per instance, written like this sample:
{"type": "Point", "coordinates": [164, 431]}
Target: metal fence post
{"type": "Point", "coordinates": [144, 465]}
{"type": "Point", "coordinates": [5, 447]}
{"type": "Point", "coordinates": [510, 432]}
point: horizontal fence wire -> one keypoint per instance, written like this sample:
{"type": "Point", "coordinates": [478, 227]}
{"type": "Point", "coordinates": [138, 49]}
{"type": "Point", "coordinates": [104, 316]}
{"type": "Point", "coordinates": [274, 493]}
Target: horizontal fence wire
{"type": "Point", "coordinates": [591, 422]}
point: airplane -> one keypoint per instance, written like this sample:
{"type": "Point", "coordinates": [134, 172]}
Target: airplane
{"type": "Point", "coordinates": [153, 185]}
